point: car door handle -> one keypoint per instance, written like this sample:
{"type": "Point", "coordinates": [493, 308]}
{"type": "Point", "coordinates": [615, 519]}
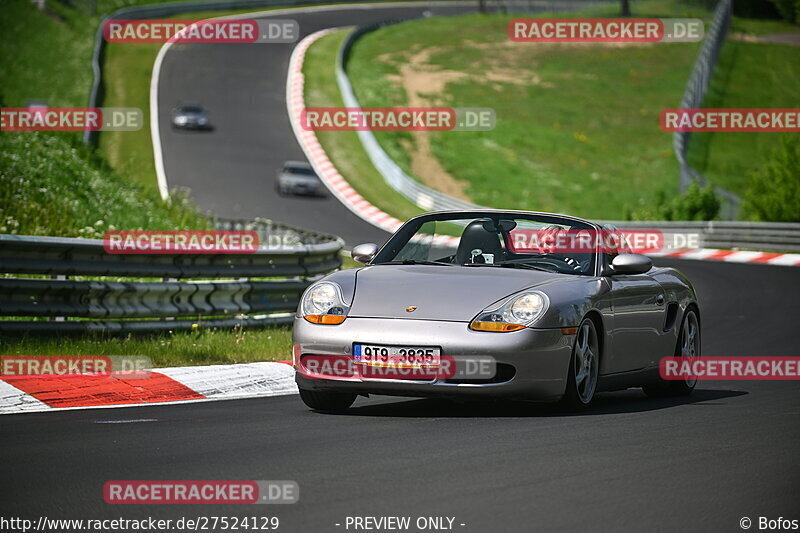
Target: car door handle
{"type": "Point", "coordinates": [660, 299]}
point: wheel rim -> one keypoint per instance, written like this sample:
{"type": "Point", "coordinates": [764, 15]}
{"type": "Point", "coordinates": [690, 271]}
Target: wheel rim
{"type": "Point", "coordinates": [690, 343]}
{"type": "Point", "coordinates": [586, 361]}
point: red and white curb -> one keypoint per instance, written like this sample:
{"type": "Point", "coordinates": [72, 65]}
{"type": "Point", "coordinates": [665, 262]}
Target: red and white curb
{"type": "Point", "coordinates": [295, 103]}
{"type": "Point", "coordinates": [732, 256]}
{"type": "Point", "coordinates": [164, 385]}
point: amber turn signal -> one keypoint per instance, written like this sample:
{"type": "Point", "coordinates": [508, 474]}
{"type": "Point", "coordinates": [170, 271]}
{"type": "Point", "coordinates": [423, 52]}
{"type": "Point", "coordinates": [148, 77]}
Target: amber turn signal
{"type": "Point", "coordinates": [498, 327]}
{"type": "Point", "coordinates": [325, 319]}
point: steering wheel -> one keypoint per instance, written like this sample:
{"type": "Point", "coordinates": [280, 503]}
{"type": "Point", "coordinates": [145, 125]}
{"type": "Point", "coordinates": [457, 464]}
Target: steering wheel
{"type": "Point", "coordinates": [557, 262]}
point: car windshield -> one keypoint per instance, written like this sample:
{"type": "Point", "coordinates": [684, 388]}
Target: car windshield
{"type": "Point", "coordinates": [536, 242]}
{"type": "Point", "coordinates": [190, 109]}
{"type": "Point", "coordinates": [304, 171]}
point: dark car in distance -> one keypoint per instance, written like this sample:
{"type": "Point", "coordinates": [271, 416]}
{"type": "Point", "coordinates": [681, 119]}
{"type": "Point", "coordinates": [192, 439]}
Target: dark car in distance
{"type": "Point", "coordinates": [298, 178]}
{"type": "Point", "coordinates": [190, 117]}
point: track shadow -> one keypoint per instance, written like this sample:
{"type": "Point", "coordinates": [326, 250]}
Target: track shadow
{"type": "Point", "coordinates": [322, 196]}
{"type": "Point", "coordinates": [628, 401]}
{"type": "Point", "coordinates": [193, 131]}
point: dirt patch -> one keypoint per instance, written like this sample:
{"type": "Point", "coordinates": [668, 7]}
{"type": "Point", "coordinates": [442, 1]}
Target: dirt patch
{"type": "Point", "coordinates": [425, 85]}
{"type": "Point", "coordinates": [792, 39]}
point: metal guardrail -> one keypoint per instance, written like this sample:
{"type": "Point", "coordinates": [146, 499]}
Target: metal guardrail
{"type": "Point", "coordinates": [693, 97]}
{"type": "Point", "coordinates": [760, 236]}
{"type": "Point", "coordinates": [290, 258]}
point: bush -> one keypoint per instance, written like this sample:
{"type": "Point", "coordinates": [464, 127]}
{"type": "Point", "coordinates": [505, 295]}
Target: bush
{"type": "Point", "coordinates": [694, 204]}
{"type": "Point", "coordinates": [774, 190]}
{"type": "Point", "coordinates": [788, 9]}
{"type": "Point", "coordinates": [757, 9]}
{"type": "Point", "coordinates": [706, 4]}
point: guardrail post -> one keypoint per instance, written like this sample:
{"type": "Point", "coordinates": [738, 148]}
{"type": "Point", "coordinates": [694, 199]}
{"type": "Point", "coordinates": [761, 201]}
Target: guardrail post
{"type": "Point", "coordinates": [169, 280]}
{"type": "Point", "coordinates": [58, 318]}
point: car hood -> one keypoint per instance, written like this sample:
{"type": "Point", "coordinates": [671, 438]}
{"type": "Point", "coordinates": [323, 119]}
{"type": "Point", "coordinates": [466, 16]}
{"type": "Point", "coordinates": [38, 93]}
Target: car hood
{"type": "Point", "coordinates": [450, 293]}
{"type": "Point", "coordinates": [299, 178]}
{"type": "Point", "coordinates": [194, 116]}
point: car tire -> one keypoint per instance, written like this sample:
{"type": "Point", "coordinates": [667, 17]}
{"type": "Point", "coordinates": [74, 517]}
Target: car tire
{"type": "Point", "coordinates": [688, 345]}
{"type": "Point", "coordinates": [327, 401]}
{"type": "Point", "coordinates": [584, 368]}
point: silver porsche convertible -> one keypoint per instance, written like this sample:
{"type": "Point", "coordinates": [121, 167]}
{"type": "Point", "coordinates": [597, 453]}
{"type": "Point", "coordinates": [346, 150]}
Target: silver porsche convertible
{"type": "Point", "coordinates": [479, 304]}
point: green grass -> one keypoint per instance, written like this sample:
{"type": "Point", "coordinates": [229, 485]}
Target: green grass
{"type": "Point", "coordinates": [584, 138]}
{"type": "Point", "coordinates": [50, 184]}
{"type": "Point", "coordinates": [343, 147]}
{"type": "Point", "coordinates": [50, 187]}
{"type": "Point", "coordinates": [176, 349]}
{"type": "Point", "coordinates": [127, 69]}
{"type": "Point", "coordinates": [748, 75]}
{"type": "Point", "coordinates": [761, 26]}
{"type": "Point", "coordinates": [349, 262]}
{"type": "Point", "coordinates": [45, 55]}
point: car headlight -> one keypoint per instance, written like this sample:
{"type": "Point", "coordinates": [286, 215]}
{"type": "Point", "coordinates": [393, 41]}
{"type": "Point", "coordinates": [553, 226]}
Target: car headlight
{"type": "Point", "coordinates": [323, 304]}
{"type": "Point", "coordinates": [515, 313]}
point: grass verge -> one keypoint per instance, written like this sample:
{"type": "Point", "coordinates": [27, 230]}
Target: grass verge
{"type": "Point", "coordinates": [177, 349]}
{"type": "Point", "coordinates": [748, 75]}
{"type": "Point", "coordinates": [577, 126]}
{"type": "Point", "coordinates": [127, 69]}
{"type": "Point", "coordinates": [50, 184]}
{"type": "Point", "coordinates": [50, 187]}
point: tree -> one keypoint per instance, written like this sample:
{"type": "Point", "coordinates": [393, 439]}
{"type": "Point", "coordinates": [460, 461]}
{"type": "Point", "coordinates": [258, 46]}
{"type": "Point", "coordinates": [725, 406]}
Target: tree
{"type": "Point", "coordinates": [694, 204]}
{"type": "Point", "coordinates": [625, 8]}
{"type": "Point", "coordinates": [774, 190]}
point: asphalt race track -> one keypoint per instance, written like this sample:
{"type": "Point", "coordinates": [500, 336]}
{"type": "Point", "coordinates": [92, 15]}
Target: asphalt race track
{"type": "Point", "coordinates": [630, 463]}
{"type": "Point", "coordinates": [232, 169]}
{"type": "Point", "coordinates": [633, 463]}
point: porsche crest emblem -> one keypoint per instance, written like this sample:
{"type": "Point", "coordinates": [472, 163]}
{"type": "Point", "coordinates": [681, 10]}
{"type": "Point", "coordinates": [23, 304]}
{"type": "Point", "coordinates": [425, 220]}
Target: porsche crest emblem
{"type": "Point", "coordinates": [411, 308]}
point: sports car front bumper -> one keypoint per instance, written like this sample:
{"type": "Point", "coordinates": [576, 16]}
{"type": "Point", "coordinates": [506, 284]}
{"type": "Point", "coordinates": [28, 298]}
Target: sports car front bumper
{"type": "Point", "coordinates": [539, 357]}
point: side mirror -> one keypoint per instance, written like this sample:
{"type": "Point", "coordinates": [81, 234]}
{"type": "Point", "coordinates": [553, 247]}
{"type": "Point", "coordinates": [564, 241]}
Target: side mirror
{"type": "Point", "coordinates": [631, 264]}
{"type": "Point", "coordinates": [364, 253]}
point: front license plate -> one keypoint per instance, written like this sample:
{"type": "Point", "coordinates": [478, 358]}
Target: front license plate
{"type": "Point", "coordinates": [397, 356]}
